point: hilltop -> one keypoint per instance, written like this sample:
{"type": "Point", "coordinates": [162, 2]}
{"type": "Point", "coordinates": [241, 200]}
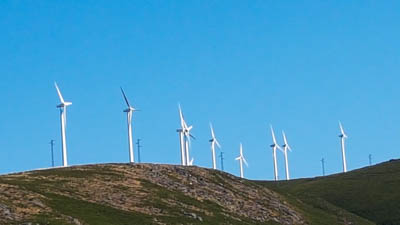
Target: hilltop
{"type": "Point", "coordinates": [121, 194]}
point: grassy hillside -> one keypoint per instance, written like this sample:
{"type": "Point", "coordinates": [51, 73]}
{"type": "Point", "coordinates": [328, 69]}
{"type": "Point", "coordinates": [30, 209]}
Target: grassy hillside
{"type": "Point", "coordinates": [122, 194]}
{"type": "Point", "coordinates": [371, 192]}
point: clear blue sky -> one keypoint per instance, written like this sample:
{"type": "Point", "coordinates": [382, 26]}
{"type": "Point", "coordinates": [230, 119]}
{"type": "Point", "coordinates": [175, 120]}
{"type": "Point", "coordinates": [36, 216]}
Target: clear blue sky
{"type": "Point", "coordinates": [298, 65]}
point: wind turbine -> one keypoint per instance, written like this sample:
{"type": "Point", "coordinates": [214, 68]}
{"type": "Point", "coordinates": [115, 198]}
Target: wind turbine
{"type": "Point", "coordinates": [214, 142]}
{"type": "Point", "coordinates": [129, 111]}
{"type": "Point", "coordinates": [181, 138]}
{"type": "Point", "coordinates": [188, 135]}
{"type": "Point", "coordinates": [343, 136]}
{"type": "Point", "coordinates": [274, 146]}
{"type": "Point", "coordinates": [285, 148]}
{"type": "Point", "coordinates": [63, 117]}
{"type": "Point", "coordinates": [185, 140]}
{"type": "Point", "coordinates": [241, 160]}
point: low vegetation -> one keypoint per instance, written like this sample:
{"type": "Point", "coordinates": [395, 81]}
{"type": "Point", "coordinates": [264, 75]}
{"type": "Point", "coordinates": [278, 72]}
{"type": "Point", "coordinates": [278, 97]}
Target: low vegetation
{"type": "Point", "coordinates": [121, 194]}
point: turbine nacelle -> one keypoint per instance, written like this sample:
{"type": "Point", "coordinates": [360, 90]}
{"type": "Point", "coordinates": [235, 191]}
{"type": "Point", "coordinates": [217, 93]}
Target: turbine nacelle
{"type": "Point", "coordinates": [130, 109]}
{"type": "Point", "coordinates": [64, 104]}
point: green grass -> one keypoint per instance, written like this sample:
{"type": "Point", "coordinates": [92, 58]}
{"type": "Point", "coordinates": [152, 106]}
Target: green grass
{"type": "Point", "coordinates": [158, 193]}
{"type": "Point", "coordinates": [95, 214]}
{"type": "Point", "coordinates": [364, 197]}
{"type": "Point", "coordinates": [372, 192]}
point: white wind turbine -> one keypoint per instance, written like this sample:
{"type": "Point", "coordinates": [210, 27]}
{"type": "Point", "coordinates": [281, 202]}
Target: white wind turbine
{"type": "Point", "coordinates": [214, 142]}
{"type": "Point", "coordinates": [129, 111]}
{"type": "Point", "coordinates": [186, 140]}
{"type": "Point", "coordinates": [241, 160]}
{"type": "Point", "coordinates": [343, 136]}
{"type": "Point", "coordinates": [274, 146]}
{"type": "Point", "coordinates": [63, 117]}
{"type": "Point", "coordinates": [181, 138]}
{"type": "Point", "coordinates": [285, 148]}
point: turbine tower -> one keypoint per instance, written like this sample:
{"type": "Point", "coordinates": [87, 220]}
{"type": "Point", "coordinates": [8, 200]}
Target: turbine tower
{"type": "Point", "coordinates": [63, 117]}
{"type": "Point", "coordinates": [285, 148]}
{"type": "Point", "coordinates": [181, 138]}
{"type": "Point", "coordinates": [274, 146]}
{"type": "Point", "coordinates": [343, 136]}
{"type": "Point", "coordinates": [129, 111]}
{"type": "Point", "coordinates": [214, 142]}
{"type": "Point", "coordinates": [241, 160]}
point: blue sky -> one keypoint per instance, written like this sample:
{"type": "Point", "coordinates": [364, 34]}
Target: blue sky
{"type": "Point", "coordinates": [242, 65]}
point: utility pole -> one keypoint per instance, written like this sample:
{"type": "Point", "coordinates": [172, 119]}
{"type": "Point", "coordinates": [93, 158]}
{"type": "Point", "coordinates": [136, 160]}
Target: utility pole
{"type": "Point", "coordinates": [323, 166]}
{"type": "Point", "coordinates": [370, 159]}
{"type": "Point", "coordinates": [52, 152]}
{"type": "Point", "coordinates": [221, 155]}
{"type": "Point", "coordinates": [138, 148]}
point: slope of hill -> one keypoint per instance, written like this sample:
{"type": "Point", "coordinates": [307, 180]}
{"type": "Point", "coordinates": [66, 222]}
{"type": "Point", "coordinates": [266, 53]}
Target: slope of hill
{"type": "Point", "coordinates": [121, 194]}
{"type": "Point", "coordinates": [138, 194]}
{"type": "Point", "coordinates": [371, 192]}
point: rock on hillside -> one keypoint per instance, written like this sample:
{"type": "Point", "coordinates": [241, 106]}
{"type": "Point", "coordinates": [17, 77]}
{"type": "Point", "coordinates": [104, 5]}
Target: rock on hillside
{"type": "Point", "coordinates": [139, 194]}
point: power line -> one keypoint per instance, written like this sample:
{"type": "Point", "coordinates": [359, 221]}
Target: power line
{"type": "Point", "coordinates": [370, 159]}
{"type": "Point", "coordinates": [138, 147]}
{"type": "Point", "coordinates": [52, 152]}
{"type": "Point", "coordinates": [221, 155]}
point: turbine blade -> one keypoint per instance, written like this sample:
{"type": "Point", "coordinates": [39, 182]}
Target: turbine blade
{"type": "Point", "coordinates": [284, 138]}
{"type": "Point", "coordinates": [286, 142]}
{"type": "Point", "coordinates": [212, 131]}
{"type": "Point", "coordinates": [245, 162]}
{"type": "Point", "coordinates": [183, 124]}
{"type": "Point", "coordinates": [192, 136]}
{"type": "Point", "coordinates": [216, 142]}
{"type": "Point", "coordinates": [59, 93]}
{"type": "Point", "coordinates": [341, 129]}
{"type": "Point", "coordinates": [126, 99]}
{"type": "Point", "coordinates": [273, 135]}
{"type": "Point", "coordinates": [238, 158]}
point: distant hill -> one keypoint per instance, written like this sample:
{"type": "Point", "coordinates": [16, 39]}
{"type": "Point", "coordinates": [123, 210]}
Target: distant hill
{"type": "Point", "coordinates": [122, 194]}
{"type": "Point", "coordinates": [372, 193]}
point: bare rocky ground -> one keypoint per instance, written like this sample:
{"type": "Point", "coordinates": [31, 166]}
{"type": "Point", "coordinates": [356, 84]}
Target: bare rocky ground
{"type": "Point", "coordinates": [163, 194]}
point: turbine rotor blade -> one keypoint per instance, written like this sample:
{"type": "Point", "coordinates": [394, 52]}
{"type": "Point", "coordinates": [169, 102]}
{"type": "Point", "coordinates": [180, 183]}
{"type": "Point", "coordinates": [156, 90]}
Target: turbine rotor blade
{"type": "Point", "coordinates": [216, 142]}
{"type": "Point", "coordinates": [59, 93]}
{"type": "Point", "coordinates": [212, 131]}
{"type": "Point", "coordinates": [273, 135]}
{"type": "Point", "coordinates": [284, 138]}
{"type": "Point", "coordinates": [183, 123]}
{"type": "Point", "coordinates": [126, 99]}
{"type": "Point", "coordinates": [245, 162]}
{"type": "Point", "coordinates": [341, 129]}
{"type": "Point", "coordinates": [286, 142]}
